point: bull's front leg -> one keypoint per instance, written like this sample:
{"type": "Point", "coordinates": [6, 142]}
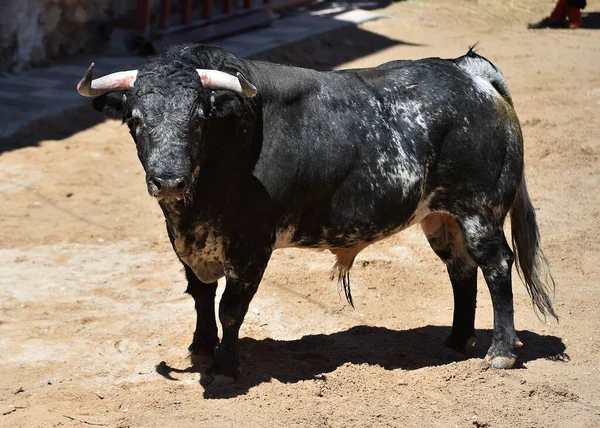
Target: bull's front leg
{"type": "Point", "coordinates": [243, 279]}
{"type": "Point", "coordinates": [205, 336]}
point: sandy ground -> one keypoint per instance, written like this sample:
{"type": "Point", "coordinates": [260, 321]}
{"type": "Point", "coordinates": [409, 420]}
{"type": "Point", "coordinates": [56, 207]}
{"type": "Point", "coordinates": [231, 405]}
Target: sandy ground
{"type": "Point", "coordinates": [94, 324]}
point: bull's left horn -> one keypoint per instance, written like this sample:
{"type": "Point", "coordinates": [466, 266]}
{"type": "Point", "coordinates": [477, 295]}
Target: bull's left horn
{"type": "Point", "coordinates": [215, 79]}
{"type": "Point", "coordinates": [120, 81]}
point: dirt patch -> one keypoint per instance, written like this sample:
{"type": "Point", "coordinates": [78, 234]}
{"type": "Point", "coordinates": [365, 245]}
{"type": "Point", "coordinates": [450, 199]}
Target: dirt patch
{"type": "Point", "coordinates": [94, 325]}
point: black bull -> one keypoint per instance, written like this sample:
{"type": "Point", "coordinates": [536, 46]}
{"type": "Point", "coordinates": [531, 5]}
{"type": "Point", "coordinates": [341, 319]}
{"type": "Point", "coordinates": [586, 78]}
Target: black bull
{"type": "Point", "coordinates": [246, 157]}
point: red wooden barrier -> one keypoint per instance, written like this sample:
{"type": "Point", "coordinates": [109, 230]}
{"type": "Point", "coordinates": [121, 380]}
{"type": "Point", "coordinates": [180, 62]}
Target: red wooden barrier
{"type": "Point", "coordinates": [207, 9]}
{"type": "Point", "coordinates": [228, 7]}
{"type": "Point", "coordinates": [186, 12]}
{"type": "Point", "coordinates": [143, 16]}
{"type": "Point", "coordinates": [165, 6]}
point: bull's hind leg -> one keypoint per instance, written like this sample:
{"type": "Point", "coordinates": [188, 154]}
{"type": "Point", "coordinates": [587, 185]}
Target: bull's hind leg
{"type": "Point", "coordinates": [205, 336]}
{"type": "Point", "coordinates": [446, 239]}
{"type": "Point", "coordinates": [487, 245]}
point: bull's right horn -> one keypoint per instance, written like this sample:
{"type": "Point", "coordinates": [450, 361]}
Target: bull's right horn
{"type": "Point", "coordinates": [120, 81]}
{"type": "Point", "coordinates": [215, 79]}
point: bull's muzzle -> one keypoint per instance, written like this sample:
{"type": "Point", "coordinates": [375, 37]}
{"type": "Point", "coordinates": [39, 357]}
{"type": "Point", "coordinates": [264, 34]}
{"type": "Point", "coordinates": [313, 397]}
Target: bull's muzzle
{"type": "Point", "coordinates": [168, 188]}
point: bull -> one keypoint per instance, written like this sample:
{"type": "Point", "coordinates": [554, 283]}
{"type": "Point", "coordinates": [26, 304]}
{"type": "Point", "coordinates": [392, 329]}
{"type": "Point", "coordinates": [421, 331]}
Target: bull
{"type": "Point", "coordinates": [245, 157]}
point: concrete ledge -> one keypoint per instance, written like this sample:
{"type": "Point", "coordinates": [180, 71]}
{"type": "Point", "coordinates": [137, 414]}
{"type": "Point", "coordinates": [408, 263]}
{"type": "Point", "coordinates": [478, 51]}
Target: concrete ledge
{"type": "Point", "coordinates": [47, 92]}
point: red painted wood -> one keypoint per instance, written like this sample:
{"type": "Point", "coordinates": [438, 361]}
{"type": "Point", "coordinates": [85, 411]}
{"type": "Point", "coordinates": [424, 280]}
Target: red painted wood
{"type": "Point", "coordinates": [165, 6]}
{"type": "Point", "coordinates": [228, 7]}
{"type": "Point", "coordinates": [142, 15]}
{"type": "Point", "coordinates": [247, 4]}
{"type": "Point", "coordinates": [207, 9]}
{"type": "Point", "coordinates": [223, 25]}
{"type": "Point", "coordinates": [186, 12]}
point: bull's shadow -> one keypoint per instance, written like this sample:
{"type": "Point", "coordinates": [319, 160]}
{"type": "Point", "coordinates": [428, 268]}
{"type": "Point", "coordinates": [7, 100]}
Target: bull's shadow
{"type": "Point", "coordinates": [329, 50]}
{"type": "Point", "coordinates": [290, 361]}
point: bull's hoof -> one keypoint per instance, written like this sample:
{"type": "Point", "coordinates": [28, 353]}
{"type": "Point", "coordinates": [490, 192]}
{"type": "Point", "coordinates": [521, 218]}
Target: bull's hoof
{"type": "Point", "coordinates": [450, 354]}
{"type": "Point", "coordinates": [215, 381]}
{"type": "Point", "coordinates": [217, 375]}
{"type": "Point", "coordinates": [499, 356]}
{"type": "Point", "coordinates": [499, 362]}
{"type": "Point", "coordinates": [456, 350]}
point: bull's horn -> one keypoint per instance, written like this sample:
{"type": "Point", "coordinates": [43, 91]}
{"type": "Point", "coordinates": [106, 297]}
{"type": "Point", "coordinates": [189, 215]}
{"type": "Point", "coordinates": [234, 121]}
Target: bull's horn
{"type": "Point", "coordinates": [215, 79]}
{"type": "Point", "coordinates": [119, 81]}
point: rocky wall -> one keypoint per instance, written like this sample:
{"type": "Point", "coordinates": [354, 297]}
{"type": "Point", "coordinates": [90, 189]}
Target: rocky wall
{"type": "Point", "coordinates": [33, 32]}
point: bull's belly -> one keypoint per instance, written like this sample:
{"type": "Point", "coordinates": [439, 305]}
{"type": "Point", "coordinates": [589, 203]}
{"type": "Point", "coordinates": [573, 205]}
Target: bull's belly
{"type": "Point", "coordinates": [358, 235]}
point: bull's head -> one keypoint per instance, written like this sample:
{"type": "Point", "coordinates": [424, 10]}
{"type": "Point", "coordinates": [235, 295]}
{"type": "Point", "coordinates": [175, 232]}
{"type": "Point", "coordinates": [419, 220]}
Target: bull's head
{"type": "Point", "coordinates": [165, 117]}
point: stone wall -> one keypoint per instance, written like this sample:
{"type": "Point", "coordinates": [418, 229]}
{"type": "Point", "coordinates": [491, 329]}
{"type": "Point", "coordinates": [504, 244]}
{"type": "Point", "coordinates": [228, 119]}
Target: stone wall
{"type": "Point", "coordinates": [35, 31]}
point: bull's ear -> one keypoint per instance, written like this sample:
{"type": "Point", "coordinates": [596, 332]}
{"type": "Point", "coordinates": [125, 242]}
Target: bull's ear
{"type": "Point", "coordinates": [111, 104]}
{"type": "Point", "coordinates": [223, 103]}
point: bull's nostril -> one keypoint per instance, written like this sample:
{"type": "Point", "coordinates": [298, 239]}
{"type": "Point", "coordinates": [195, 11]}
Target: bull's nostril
{"type": "Point", "coordinates": [157, 183]}
{"type": "Point", "coordinates": [181, 184]}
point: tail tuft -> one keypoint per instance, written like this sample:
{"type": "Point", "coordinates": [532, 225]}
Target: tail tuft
{"type": "Point", "coordinates": [472, 50]}
{"type": "Point", "coordinates": [341, 268]}
{"type": "Point", "coordinates": [532, 265]}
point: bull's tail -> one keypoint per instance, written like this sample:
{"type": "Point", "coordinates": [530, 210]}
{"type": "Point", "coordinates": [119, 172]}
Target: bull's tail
{"type": "Point", "coordinates": [532, 265]}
